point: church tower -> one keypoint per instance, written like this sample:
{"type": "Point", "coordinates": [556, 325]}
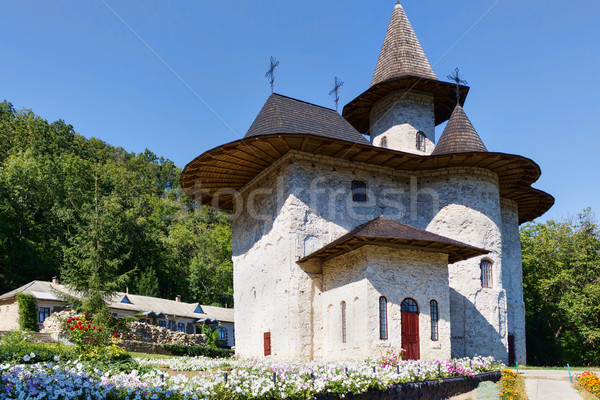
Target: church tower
{"type": "Point", "coordinates": [405, 100]}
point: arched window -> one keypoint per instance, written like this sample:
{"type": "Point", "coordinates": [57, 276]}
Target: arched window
{"type": "Point", "coordinates": [359, 191]}
{"type": "Point", "coordinates": [343, 322]}
{"type": "Point", "coordinates": [383, 324]}
{"type": "Point", "coordinates": [486, 273]}
{"type": "Point", "coordinates": [420, 141]}
{"type": "Point", "coordinates": [383, 142]}
{"type": "Point", "coordinates": [435, 316]}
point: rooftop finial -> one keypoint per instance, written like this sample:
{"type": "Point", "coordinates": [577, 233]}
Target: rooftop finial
{"type": "Point", "coordinates": [335, 92]}
{"type": "Point", "coordinates": [455, 76]}
{"type": "Point", "coordinates": [270, 74]}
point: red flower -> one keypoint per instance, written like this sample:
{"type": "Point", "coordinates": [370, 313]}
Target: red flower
{"type": "Point", "coordinates": [88, 325]}
{"type": "Point", "coordinates": [99, 330]}
{"type": "Point", "coordinates": [115, 335]}
{"type": "Point", "coordinates": [72, 328]}
{"type": "Point", "coordinates": [85, 329]}
{"type": "Point", "coordinates": [94, 327]}
{"type": "Point", "coordinates": [85, 314]}
{"type": "Point", "coordinates": [91, 340]}
{"type": "Point", "coordinates": [79, 323]}
{"type": "Point", "coordinates": [89, 322]}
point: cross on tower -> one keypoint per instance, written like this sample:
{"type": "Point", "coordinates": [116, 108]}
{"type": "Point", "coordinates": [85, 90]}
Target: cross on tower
{"type": "Point", "coordinates": [335, 92]}
{"type": "Point", "coordinates": [271, 72]}
{"type": "Point", "coordinates": [455, 76]}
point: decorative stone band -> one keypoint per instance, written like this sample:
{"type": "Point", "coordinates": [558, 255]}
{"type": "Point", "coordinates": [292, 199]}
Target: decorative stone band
{"type": "Point", "coordinates": [223, 171]}
{"type": "Point", "coordinates": [426, 390]}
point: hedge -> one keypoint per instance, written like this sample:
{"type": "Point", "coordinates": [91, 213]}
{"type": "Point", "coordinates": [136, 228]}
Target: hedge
{"type": "Point", "coordinates": [193, 351]}
{"type": "Point", "coordinates": [27, 312]}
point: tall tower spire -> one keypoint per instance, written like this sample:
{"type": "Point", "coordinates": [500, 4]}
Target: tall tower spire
{"type": "Point", "coordinates": [405, 100]}
{"type": "Point", "coordinates": [401, 53]}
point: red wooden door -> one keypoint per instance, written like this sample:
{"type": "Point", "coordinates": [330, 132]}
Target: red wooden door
{"type": "Point", "coordinates": [410, 329]}
{"type": "Point", "coordinates": [267, 343]}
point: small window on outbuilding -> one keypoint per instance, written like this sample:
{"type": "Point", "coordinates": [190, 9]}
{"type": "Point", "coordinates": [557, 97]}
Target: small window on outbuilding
{"type": "Point", "coordinates": [435, 316]}
{"type": "Point", "coordinates": [421, 141]}
{"type": "Point", "coordinates": [383, 142]}
{"type": "Point", "coordinates": [486, 273]}
{"type": "Point", "coordinates": [222, 333]}
{"type": "Point", "coordinates": [125, 300]}
{"type": "Point", "coordinates": [43, 313]}
{"type": "Point", "coordinates": [383, 323]}
{"type": "Point", "coordinates": [359, 191]}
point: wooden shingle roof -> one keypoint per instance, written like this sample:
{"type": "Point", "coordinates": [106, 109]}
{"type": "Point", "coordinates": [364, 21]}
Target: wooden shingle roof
{"type": "Point", "coordinates": [401, 53]}
{"type": "Point", "coordinates": [383, 231]}
{"type": "Point", "coordinates": [402, 66]}
{"type": "Point", "coordinates": [459, 136]}
{"type": "Point", "coordinates": [282, 114]}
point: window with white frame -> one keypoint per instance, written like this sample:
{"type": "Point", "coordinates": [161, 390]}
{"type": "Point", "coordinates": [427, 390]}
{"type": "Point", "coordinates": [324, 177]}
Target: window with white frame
{"type": "Point", "coordinates": [486, 273]}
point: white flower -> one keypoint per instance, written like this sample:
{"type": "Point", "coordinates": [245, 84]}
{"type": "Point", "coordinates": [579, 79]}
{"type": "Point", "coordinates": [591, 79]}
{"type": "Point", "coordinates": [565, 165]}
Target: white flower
{"type": "Point", "coordinates": [32, 355]}
{"type": "Point", "coordinates": [56, 358]}
{"type": "Point", "coordinates": [26, 358]}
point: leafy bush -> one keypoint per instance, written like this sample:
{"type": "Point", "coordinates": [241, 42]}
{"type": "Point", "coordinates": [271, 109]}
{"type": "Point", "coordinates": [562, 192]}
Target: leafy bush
{"type": "Point", "coordinates": [27, 312]}
{"type": "Point", "coordinates": [194, 351]}
{"type": "Point", "coordinates": [16, 348]}
{"type": "Point", "coordinates": [93, 342]}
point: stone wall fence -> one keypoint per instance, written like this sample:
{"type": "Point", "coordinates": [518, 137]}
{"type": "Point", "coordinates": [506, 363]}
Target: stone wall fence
{"type": "Point", "coordinates": [138, 332]}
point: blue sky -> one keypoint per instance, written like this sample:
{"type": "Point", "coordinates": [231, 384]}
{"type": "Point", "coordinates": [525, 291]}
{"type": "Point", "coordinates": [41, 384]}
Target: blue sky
{"type": "Point", "coordinates": [191, 77]}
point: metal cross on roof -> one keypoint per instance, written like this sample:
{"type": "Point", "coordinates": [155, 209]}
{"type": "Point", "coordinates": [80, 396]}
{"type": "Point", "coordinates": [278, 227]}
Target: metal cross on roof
{"type": "Point", "coordinates": [455, 76]}
{"type": "Point", "coordinates": [271, 72]}
{"type": "Point", "coordinates": [335, 92]}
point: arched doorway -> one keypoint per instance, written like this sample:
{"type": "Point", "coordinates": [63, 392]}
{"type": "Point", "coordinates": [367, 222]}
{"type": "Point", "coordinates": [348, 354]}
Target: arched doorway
{"type": "Point", "coordinates": [410, 329]}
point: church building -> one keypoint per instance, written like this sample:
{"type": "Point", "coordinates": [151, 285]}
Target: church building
{"type": "Point", "coordinates": [345, 247]}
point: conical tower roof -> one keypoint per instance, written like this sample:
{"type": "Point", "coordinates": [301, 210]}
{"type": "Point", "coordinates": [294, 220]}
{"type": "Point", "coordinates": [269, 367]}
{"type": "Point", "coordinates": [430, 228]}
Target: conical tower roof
{"type": "Point", "coordinates": [459, 136]}
{"type": "Point", "coordinates": [401, 53]}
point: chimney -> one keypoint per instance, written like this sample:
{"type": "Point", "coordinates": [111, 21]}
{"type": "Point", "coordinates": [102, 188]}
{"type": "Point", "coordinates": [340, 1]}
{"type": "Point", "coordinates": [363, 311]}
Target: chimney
{"type": "Point", "coordinates": [127, 290]}
{"type": "Point", "coordinates": [55, 280]}
{"type": "Point", "coordinates": [225, 305]}
{"type": "Point", "coordinates": [178, 298]}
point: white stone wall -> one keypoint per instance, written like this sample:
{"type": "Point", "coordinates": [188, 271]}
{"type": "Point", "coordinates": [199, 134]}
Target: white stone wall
{"type": "Point", "coordinates": [360, 278]}
{"type": "Point", "coordinates": [304, 203]}
{"type": "Point", "coordinates": [512, 271]}
{"type": "Point", "coordinates": [470, 212]}
{"type": "Point", "coordinates": [399, 116]}
{"type": "Point", "coordinates": [9, 316]}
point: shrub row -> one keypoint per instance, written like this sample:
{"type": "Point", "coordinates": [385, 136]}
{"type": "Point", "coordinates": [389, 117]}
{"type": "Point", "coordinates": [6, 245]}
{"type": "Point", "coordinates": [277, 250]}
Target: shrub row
{"type": "Point", "coordinates": [193, 351]}
{"type": "Point", "coordinates": [18, 353]}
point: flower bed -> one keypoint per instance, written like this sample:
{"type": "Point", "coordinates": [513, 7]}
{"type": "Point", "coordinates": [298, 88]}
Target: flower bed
{"type": "Point", "coordinates": [223, 378]}
{"type": "Point", "coordinates": [590, 381]}
{"type": "Point", "coordinates": [512, 386]}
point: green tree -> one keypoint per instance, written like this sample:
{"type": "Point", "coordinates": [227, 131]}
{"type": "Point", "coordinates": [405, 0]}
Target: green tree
{"type": "Point", "coordinates": [95, 255]}
{"type": "Point", "coordinates": [561, 281]}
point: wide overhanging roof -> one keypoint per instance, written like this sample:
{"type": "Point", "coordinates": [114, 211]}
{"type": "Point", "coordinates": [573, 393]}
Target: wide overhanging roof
{"type": "Point", "coordinates": [227, 168]}
{"type": "Point", "coordinates": [385, 232]}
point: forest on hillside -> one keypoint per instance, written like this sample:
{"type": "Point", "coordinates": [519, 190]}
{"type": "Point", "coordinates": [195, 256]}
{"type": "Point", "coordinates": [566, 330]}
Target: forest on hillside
{"type": "Point", "coordinates": [58, 190]}
{"type": "Point", "coordinates": [65, 199]}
